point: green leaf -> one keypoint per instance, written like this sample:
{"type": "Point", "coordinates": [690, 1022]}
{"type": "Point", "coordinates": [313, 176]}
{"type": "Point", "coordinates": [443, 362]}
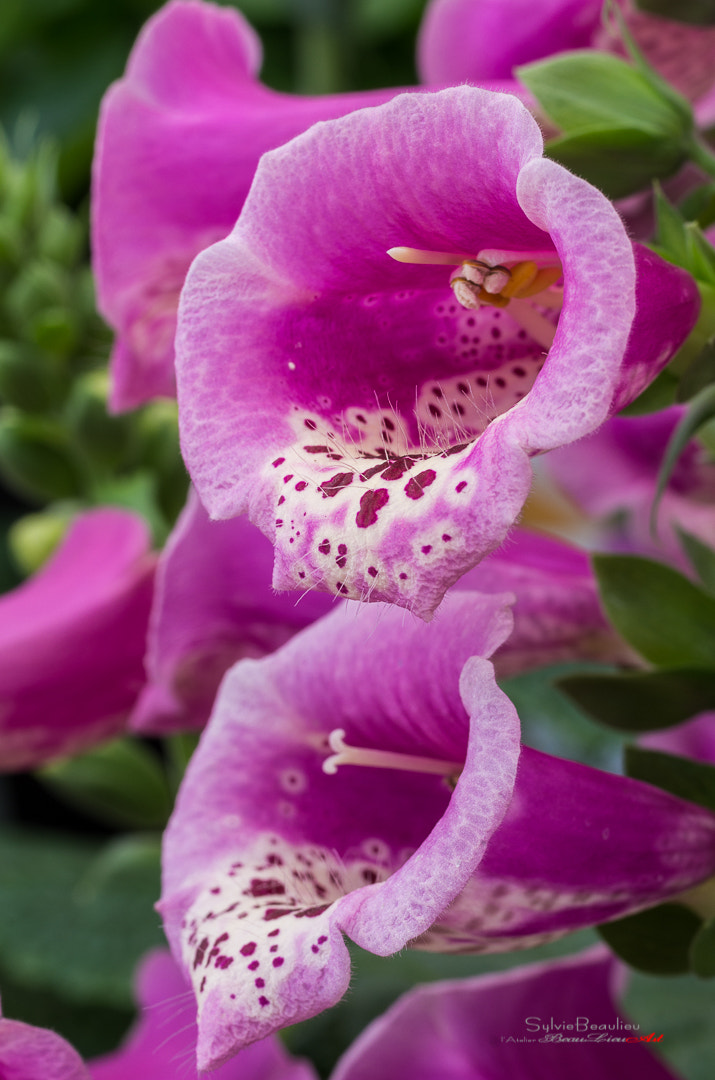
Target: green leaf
{"type": "Point", "coordinates": [688, 779]}
{"type": "Point", "coordinates": [619, 160]}
{"type": "Point", "coordinates": [701, 557]}
{"type": "Point", "coordinates": [590, 89]}
{"type": "Point", "coordinates": [699, 205]}
{"type": "Point", "coordinates": [656, 941]}
{"type": "Point", "coordinates": [58, 935]}
{"type": "Point", "coordinates": [663, 615]}
{"type": "Point", "coordinates": [35, 458]}
{"type": "Point", "coordinates": [702, 951]}
{"type": "Point", "coordinates": [699, 375]}
{"type": "Point", "coordinates": [121, 782]}
{"type": "Point", "coordinates": [700, 411]}
{"type": "Point", "coordinates": [643, 700]}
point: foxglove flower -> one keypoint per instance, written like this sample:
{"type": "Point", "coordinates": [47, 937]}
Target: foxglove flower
{"type": "Point", "coordinates": [377, 425]}
{"type": "Point", "coordinates": [474, 40]}
{"type": "Point", "coordinates": [213, 605]}
{"type": "Point", "coordinates": [363, 780]}
{"type": "Point", "coordinates": [613, 474]}
{"type": "Point", "coordinates": [72, 641]}
{"type": "Point", "coordinates": [178, 142]}
{"type": "Point", "coordinates": [555, 1019]}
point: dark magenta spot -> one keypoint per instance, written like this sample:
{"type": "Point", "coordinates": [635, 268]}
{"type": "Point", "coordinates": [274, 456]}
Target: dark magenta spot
{"type": "Point", "coordinates": [265, 887]}
{"type": "Point", "coordinates": [372, 571]}
{"type": "Point", "coordinates": [310, 424]}
{"type": "Point", "coordinates": [301, 485]}
{"type": "Point", "coordinates": [315, 449]}
{"type": "Point", "coordinates": [446, 537]}
{"type": "Point", "coordinates": [223, 937]}
{"type": "Point", "coordinates": [461, 485]}
{"type": "Point", "coordinates": [463, 388]}
{"type": "Point", "coordinates": [223, 962]}
{"type": "Point", "coordinates": [501, 383]}
{"type": "Point", "coordinates": [481, 381]}
{"type": "Point", "coordinates": [273, 948]}
{"type": "Point", "coordinates": [387, 423]}
{"type": "Point", "coordinates": [342, 549]}
{"type": "Point", "coordinates": [278, 461]}
{"type": "Point", "coordinates": [370, 503]}
{"type": "Point", "coordinates": [260, 983]}
{"type": "Point", "coordinates": [314, 948]}
{"type": "Point", "coordinates": [287, 478]}
{"type": "Point", "coordinates": [248, 950]}
{"type": "Point", "coordinates": [281, 500]}
{"type": "Point", "coordinates": [215, 890]}
{"type": "Point", "coordinates": [200, 952]}
{"type": "Point", "coordinates": [324, 547]}
{"type": "Point", "coordinates": [414, 489]}
{"type": "Point", "coordinates": [322, 939]}
{"type": "Point", "coordinates": [434, 410]}
{"type": "Point", "coordinates": [203, 984]}
{"type": "Point", "coordinates": [403, 577]}
{"type": "Point", "coordinates": [496, 333]}
{"type": "Point", "coordinates": [341, 560]}
{"type": "Point", "coordinates": [342, 588]}
{"type": "Point", "coordinates": [336, 483]}
{"type": "Point", "coordinates": [426, 549]}
{"type": "Point", "coordinates": [274, 933]}
{"type": "Point", "coordinates": [253, 965]}
{"type": "Point", "coordinates": [278, 961]}
{"type": "Point", "coordinates": [519, 372]}
{"type": "Point", "coordinates": [312, 913]}
{"type": "Point", "coordinates": [273, 913]}
{"type": "Point", "coordinates": [263, 1001]}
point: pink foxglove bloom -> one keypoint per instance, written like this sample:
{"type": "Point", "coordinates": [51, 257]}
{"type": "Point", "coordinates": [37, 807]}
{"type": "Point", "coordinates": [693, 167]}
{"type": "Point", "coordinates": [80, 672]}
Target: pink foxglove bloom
{"type": "Point", "coordinates": [612, 475]}
{"type": "Point", "coordinates": [474, 40]}
{"type": "Point", "coordinates": [556, 1019]}
{"type": "Point", "coordinates": [375, 423]}
{"type": "Point", "coordinates": [72, 641]}
{"type": "Point", "coordinates": [213, 605]}
{"type": "Point", "coordinates": [363, 780]}
{"type": "Point", "coordinates": [179, 139]}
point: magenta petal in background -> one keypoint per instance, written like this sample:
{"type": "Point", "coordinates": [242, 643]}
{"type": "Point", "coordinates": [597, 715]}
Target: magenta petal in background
{"type": "Point", "coordinates": [179, 139]}
{"type": "Point", "coordinates": [474, 40]}
{"type": "Point", "coordinates": [213, 605]}
{"type": "Point", "coordinates": [613, 474]}
{"type": "Point", "coordinates": [557, 612]}
{"type": "Point", "coordinates": [267, 859]}
{"type": "Point", "coordinates": [377, 432]}
{"type": "Point", "coordinates": [476, 1029]}
{"type": "Point", "coordinates": [32, 1053]}
{"type": "Point", "coordinates": [162, 1045]}
{"type": "Point", "coordinates": [72, 641]}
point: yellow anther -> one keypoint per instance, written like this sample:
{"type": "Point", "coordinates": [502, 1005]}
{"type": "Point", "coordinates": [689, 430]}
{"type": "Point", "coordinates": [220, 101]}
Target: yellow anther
{"type": "Point", "coordinates": [523, 274]}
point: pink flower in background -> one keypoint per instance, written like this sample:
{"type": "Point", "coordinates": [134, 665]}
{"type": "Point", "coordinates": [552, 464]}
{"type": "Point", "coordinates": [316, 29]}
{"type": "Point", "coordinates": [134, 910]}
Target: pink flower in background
{"type": "Point", "coordinates": [213, 605]}
{"type": "Point", "coordinates": [179, 139]}
{"type": "Point", "coordinates": [612, 476]}
{"type": "Point", "coordinates": [474, 40]}
{"type": "Point", "coordinates": [363, 780]}
{"type": "Point", "coordinates": [72, 641]}
{"type": "Point", "coordinates": [376, 424]}
{"type": "Point", "coordinates": [493, 1026]}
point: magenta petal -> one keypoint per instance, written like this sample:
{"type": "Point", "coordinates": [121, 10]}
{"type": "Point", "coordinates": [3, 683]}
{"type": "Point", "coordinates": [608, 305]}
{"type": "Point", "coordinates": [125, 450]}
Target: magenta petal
{"type": "Point", "coordinates": [555, 1020]}
{"type": "Point", "coordinates": [377, 432]}
{"type": "Point", "coordinates": [72, 641]}
{"type": "Point", "coordinates": [31, 1053]}
{"type": "Point", "coordinates": [474, 40]}
{"type": "Point", "coordinates": [162, 1045]}
{"type": "Point", "coordinates": [178, 143]}
{"type": "Point", "coordinates": [613, 475]}
{"type": "Point", "coordinates": [693, 739]}
{"type": "Point", "coordinates": [557, 613]}
{"type": "Point", "coordinates": [213, 605]}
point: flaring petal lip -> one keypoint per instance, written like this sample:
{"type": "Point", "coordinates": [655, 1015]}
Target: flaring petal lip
{"type": "Point", "coordinates": [268, 860]}
{"type": "Point", "coordinates": [178, 142]}
{"type": "Point", "coordinates": [72, 641]}
{"type": "Point", "coordinates": [379, 434]}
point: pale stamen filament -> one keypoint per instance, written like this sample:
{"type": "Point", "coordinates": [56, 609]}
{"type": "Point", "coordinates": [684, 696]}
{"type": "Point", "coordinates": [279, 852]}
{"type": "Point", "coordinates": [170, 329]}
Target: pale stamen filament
{"type": "Point", "coordinates": [384, 759]}
{"type": "Point", "coordinates": [536, 325]}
